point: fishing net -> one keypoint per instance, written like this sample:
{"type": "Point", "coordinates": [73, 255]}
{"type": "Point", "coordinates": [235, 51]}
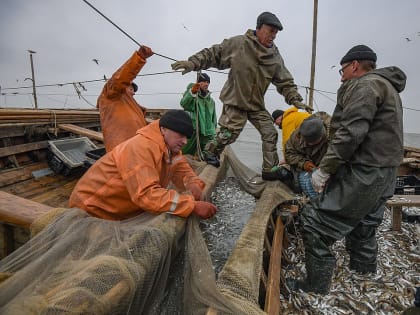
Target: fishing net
{"type": "Point", "coordinates": [79, 264]}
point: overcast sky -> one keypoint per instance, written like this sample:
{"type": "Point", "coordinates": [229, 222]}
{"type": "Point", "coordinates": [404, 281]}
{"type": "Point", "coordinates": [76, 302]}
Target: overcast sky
{"type": "Point", "coordinates": [67, 35]}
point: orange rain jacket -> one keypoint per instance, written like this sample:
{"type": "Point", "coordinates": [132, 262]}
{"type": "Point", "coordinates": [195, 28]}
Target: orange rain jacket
{"type": "Point", "coordinates": [134, 178]}
{"type": "Point", "coordinates": [121, 116]}
{"type": "Point", "coordinates": [292, 119]}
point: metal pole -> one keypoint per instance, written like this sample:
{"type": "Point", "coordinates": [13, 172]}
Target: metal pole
{"type": "Point", "coordinates": [314, 33]}
{"type": "Point", "coordinates": [33, 77]}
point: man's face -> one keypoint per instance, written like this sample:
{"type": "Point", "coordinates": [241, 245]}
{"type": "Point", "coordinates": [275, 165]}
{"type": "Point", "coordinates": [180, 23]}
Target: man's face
{"type": "Point", "coordinates": [174, 140]}
{"type": "Point", "coordinates": [204, 86]}
{"type": "Point", "coordinates": [130, 90]}
{"type": "Point", "coordinates": [266, 35]}
{"type": "Point", "coordinates": [278, 121]}
{"type": "Point", "coordinates": [349, 70]}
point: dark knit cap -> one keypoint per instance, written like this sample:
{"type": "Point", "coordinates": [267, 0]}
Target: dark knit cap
{"type": "Point", "coordinates": [312, 129]}
{"type": "Point", "coordinates": [135, 87]}
{"type": "Point", "coordinates": [277, 113]}
{"type": "Point", "coordinates": [177, 120]}
{"type": "Point", "coordinates": [203, 77]}
{"type": "Point", "coordinates": [270, 19]}
{"type": "Point", "coordinates": [359, 52]}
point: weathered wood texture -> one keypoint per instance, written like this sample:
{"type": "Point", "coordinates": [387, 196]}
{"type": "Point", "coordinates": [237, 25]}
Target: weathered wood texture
{"type": "Point", "coordinates": [82, 131]}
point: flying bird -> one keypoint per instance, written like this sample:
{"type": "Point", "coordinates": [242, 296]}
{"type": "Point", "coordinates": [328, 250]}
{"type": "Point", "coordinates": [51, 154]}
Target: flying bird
{"type": "Point", "coordinates": [184, 26]}
{"type": "Point", "coordinates": [407, 39]}
{"type": "Point", "coordinates": [96, 61]}
{"type": "Point", "coordinates": [332, 67]}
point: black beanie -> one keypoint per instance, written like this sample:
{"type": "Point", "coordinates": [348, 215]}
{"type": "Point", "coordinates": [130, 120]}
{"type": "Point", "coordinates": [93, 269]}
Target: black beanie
{"type": "Point", "coordinates": [135, 87]}
{"type": "Point", "coordinates": [359, 52]}
{"type": "Point", "coordinates": [203, 77]}
{"type": "Point", "coordinates": [277, 113]}
{"type": "Point", "coordinates": [312, 129]}
{"type": "Point", "coordinates": [269, 19]}
{"type": "Point", "coordinates": [177, 120]}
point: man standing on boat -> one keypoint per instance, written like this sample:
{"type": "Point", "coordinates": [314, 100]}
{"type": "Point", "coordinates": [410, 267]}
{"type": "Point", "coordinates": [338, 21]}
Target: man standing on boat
{"type": "Point", "coordinates": [121, 116]}
{"type": "Point", "coordinates": [197, 101]}
{"type": "Point", "coordinates": [134, 177]}
{"type": "Point", "coordinates": [358, 172]}
{"type": "Point", "coordinates": [254, 63]}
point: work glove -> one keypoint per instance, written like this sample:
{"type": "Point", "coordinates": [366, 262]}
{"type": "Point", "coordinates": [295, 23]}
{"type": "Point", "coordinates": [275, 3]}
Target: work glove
{"type": "Point", "coordinates": [308, 166]}
{"type": "Point", "coordinates": [318, 180]}
{"type": "Point", "coordinates": [195, 191]}
{"type": "Point", "coordinates": [301, 105]}
{"type": "Point", "coordinates": [188, 66]}
{"type": "Point", "coordinates": [145, 52]}
{"type": "Point", "coordinates": [204, 209]}
{"type": "Point", "coordinates": [195, 88]}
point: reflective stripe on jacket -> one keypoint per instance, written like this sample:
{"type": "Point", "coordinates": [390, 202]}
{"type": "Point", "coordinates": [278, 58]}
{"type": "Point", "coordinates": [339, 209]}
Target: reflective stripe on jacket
{"type": "Point", "coordinates": [134, 177]}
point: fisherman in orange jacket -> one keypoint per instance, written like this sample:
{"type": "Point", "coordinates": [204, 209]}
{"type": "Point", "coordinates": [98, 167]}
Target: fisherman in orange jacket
{"type": "Point", "coordinates": [134, 177]}
{"type": "Point", "coordinates": [121, 116]}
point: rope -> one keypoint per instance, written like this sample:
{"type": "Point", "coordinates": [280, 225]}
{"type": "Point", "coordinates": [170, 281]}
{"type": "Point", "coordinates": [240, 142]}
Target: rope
{"type": "Point", "coordinates": [197, 125]}
{"type": "Point", "coordinates": [120, 29]}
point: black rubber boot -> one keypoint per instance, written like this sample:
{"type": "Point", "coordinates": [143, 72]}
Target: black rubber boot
{"type": "Point", "coordinates": [319, 276]}
{"type": "Point", "coordinates": [211, 159]}
{"type": "Point", "coordinates": [362, 268]}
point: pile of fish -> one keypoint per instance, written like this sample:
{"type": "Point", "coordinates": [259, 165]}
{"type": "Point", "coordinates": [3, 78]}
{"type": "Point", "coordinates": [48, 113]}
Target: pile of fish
{"type": "Point", "coordinates": [389, 291]}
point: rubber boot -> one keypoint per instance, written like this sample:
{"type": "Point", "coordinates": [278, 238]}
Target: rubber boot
{"type": "Point", "coordinates": [319, 275]}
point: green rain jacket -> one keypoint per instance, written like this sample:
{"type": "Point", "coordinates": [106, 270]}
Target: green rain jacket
{"type": "Point", "coordinates": [252, 68]}
{"type": "Point", "coordinates": [367, 124]}
{"type": "Point", "coordinates": [207, 120]}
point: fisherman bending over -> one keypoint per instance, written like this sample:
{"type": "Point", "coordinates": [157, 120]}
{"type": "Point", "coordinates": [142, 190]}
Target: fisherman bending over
{"type": "Point", "coordinates": [134, 177]}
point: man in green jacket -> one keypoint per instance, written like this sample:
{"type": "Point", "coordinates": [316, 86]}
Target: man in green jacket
{"type": "Point", "coordinates": [358, 172]}
{"type": "Point", "coordinates": [198, 102]}
{"type": "Point", "coordinates": [254, 63]}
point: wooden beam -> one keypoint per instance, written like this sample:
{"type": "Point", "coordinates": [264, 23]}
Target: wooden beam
{"type": "Point", "coordinates": [272, 299]}
{"type": "Point", "coordinates": [15, 175]}
{"type": "Point", "coordinates": [21, 148]}
{"type": "Point", "coordinates": [82, 131]}
{"type": "Point", "coordinates": [20, 211]}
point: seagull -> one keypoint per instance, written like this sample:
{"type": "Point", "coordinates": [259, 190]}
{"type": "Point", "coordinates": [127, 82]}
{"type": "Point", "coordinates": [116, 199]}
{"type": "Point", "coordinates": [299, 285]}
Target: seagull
{"type": "Point", "coordinates": [185, 26]}
{"type": "Point", "coordinates": [105, 77]}
{"type": "Point", "coordinates": [332, 67]}
{"type": "Point", "coordinates": [96, 61]}
{"type": "Point", "coordinates": [407, 39]}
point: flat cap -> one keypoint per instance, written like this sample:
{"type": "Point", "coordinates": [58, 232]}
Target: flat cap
{"type": "Point", "coordinates": [359, 52]}
{"type": "Point", "coordinates": [270, 19]}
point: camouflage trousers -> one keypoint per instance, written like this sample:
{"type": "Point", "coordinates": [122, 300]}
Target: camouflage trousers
{"type": "Point", "coordinates": [232, 122]}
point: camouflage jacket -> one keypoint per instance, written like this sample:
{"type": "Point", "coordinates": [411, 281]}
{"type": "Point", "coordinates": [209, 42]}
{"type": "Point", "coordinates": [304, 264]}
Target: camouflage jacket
{"type": "Point", "coordinates": [297, 151]}
{"type": "Point", "coordinates": [252, 68]}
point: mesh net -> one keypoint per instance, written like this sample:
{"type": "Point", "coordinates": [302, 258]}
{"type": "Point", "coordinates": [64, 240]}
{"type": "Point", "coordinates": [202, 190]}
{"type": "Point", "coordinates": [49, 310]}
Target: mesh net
{"type": "Point", "coordinates": [77, 264]}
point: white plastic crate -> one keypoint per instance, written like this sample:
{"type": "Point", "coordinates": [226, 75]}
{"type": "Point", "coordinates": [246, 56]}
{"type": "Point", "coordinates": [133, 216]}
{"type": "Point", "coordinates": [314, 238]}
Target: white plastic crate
{"type": "Point", "coordinates": [72, 152]}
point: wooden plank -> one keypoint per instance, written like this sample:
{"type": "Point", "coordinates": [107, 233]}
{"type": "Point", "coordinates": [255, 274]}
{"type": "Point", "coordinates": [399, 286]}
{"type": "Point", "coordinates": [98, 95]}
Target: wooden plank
{"type": "Point", "coordinates": [82, 131]}
{"type": "Point", "coordinates": [396, 203]}
{"type": "Point", "coordinates": [12, 176]}
{"type": "Point", "coordinates": [21, 148]}
{"type": "Point", "coordinates": [20, 211]}
{"type": "Point", "coordinates": [272, 299]}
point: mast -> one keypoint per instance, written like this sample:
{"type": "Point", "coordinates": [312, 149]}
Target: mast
{"type": "Point", "coordinates": [314, 33]}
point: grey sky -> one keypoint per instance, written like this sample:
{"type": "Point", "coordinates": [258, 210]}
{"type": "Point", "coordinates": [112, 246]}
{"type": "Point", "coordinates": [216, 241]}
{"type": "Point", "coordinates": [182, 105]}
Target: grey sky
{"type": "Point", "coordinates": [67, 35]}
